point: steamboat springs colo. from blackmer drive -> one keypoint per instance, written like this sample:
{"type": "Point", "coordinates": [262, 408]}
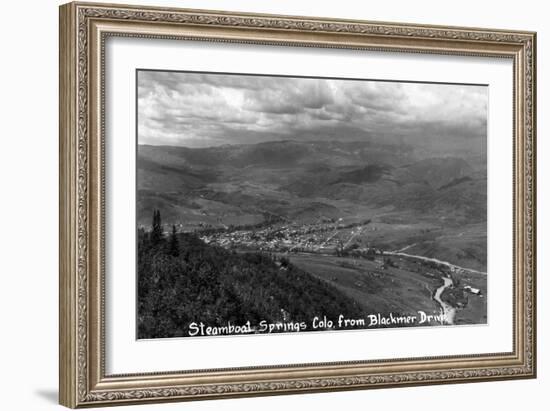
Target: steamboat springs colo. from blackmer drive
{"type": "Point", "coordinates": [270, 204]}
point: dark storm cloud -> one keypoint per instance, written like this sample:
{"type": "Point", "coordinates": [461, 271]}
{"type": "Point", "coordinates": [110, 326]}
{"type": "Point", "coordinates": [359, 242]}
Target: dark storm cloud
{"type": "Point", "coordinates": [198, 109]}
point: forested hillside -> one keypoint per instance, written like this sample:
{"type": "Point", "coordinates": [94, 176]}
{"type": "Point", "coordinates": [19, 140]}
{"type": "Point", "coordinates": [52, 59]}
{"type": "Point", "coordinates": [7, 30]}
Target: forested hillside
{"type": "Point", "coordinates": [183, 280]}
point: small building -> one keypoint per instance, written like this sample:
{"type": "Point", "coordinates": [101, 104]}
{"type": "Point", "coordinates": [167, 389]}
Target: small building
{"type": "Point", "coordinates": [472, 290]}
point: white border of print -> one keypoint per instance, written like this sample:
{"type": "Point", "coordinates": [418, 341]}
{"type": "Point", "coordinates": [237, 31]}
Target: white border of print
{"type": "Point", "coordinates": [124, 354]}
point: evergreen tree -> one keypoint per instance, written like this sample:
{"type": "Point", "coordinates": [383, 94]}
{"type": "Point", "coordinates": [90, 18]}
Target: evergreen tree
{"type": "Point", "coordinates": [156, 232]}
{"type": "Point", "coordinates": [173, 244]}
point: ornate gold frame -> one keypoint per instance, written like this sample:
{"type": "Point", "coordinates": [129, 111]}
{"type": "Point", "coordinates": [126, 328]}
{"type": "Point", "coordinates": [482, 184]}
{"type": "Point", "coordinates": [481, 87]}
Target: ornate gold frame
{"type": "Point", "coordinates": [83, 30]}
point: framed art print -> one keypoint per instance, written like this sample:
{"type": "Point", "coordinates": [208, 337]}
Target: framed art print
{"type": "Point", "coordinates": [259, 204]}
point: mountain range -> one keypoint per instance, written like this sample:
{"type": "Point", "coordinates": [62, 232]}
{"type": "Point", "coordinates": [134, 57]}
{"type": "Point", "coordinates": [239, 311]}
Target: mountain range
{"type": "Point", "coordinates": [304, 181]}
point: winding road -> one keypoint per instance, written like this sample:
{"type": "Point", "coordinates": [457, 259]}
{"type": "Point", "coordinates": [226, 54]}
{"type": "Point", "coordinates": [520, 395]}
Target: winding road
{"type": "Point", "coordinates": [452, 267]}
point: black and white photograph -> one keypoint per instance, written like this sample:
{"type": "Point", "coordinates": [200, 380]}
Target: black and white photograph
{"type": "Point", "coordinates": [278, 204]}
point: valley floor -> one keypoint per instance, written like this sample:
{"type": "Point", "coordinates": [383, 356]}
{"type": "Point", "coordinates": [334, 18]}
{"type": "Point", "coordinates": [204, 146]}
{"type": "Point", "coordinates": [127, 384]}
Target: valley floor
{"type": "Point", "coordinates": [383, 265]}
{"type": "Point", "coordinates": [401, 285]}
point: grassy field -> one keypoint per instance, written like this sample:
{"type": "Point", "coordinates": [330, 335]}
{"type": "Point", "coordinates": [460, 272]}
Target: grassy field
{"type": "Point", "coordinates": [404, 288]}
{"type": "Point", "coordinates": [374, 288]}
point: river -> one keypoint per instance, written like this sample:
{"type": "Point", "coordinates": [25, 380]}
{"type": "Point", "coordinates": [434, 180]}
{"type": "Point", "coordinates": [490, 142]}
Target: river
{"type": "Point", "coordinates": [448, 310]}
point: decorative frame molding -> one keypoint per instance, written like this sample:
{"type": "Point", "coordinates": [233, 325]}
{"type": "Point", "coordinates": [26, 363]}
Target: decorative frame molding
{"type": "Point", "coordinates": [83, 30]}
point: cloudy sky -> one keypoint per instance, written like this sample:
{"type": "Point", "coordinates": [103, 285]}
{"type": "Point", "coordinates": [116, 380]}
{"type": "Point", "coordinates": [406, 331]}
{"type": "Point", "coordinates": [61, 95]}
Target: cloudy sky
{"type": "Point", "coordinates": [200, 110]}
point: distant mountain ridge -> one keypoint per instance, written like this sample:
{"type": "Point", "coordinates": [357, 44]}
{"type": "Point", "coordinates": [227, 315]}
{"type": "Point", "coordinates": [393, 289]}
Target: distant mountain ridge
{"type": "Point", "coordinates": [244, 183]}
{"type": "Point", "coordinates": [276, 153]}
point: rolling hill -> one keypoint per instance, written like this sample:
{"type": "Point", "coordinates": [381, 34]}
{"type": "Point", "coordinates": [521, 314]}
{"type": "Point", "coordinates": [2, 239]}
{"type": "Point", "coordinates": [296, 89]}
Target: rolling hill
{"type": "Point", "coordinates": [308, 182]}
